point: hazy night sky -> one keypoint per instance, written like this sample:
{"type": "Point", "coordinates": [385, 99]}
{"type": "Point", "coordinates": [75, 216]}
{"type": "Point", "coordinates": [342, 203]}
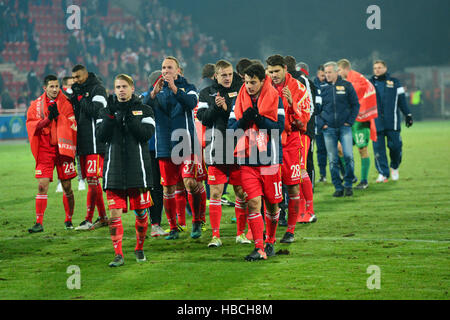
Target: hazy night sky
{"type": "Point", "coordinates": [412, 33]}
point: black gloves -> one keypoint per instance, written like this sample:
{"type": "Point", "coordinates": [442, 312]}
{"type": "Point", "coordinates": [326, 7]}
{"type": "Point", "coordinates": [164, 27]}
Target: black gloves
{"type": "Point", "coordinates": [251, 114]}
{"type": "Point", "coordinates": [53, 111]}
{"type": "Point", "coordinates": [408, 120]}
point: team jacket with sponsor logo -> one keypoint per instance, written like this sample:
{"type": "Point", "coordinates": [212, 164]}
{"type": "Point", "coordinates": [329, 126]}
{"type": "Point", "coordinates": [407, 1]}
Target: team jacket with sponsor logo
{"type": "Point", "coordinates": [127, 157]}
{"type": "Point", "coordinates": [87, 100]}
{"type": "Point", "coordinates": [215, 118]}
{"type": "Point", "coordinates": [261, 146]}
{"type": "Point", "coordinates": [390, 101]}
{"type": "Point", "coordinates": [62, 131]}
{"type": "Point", "coordinates": [339, 104]}
{"type": "Point", "coordinates": [174, 112]}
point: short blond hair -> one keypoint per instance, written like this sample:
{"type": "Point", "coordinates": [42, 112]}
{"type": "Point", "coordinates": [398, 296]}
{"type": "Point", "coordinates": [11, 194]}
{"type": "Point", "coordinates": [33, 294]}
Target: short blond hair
{"type": "Point", "coordinates": [173, 59]}
{"type": "Point", "coordinates": [222, 64]}
{"type": "Point", "coordinates": [126, 78]}
{"type": "Point", "coordinates": [344, 63]}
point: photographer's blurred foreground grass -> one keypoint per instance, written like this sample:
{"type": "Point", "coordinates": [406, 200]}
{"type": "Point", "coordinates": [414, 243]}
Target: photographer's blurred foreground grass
{"type": "Point", "coordinates": [401, 228]}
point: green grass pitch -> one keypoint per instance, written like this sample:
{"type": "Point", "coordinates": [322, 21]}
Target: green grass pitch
{"type": "Point", "coordinates": [400, 227]}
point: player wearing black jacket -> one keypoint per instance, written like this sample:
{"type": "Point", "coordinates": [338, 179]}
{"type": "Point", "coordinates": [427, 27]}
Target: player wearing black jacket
{"type": "Point", "coordinates": [214, 108]}
{"type": "Point", "coordinates": [88, 98]}
{"type": "Point", "coordinates": [126, 125]}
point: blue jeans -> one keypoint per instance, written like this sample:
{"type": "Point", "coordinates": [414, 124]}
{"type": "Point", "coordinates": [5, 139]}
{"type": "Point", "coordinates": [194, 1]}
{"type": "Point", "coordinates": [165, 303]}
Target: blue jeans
{"type": "Point", "coordinates": [331, 137]}
{"type": "Point", "coordinates": [321, 154]}
{"type": "Point", "coordinates": [394, 143]}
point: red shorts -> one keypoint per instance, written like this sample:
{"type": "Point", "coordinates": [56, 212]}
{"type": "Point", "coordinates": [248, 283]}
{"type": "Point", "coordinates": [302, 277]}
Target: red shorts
{"type": "Point", "coordinates": [223, 173]}
{"type": "Point", "coordinates": [139, 199]}
{"type": "Point", "coordinates": [290, 169]}
{"type": "Point", "coordinates": [262, 181]}
{"type": "Point", "coordinates": [91, 166]}
{"type": "Point", "coordinates": [172, 173]}
{"type": "Point", "coordinates": [46, 163]}
{"type": "Point", "coordinates": [306, 141]}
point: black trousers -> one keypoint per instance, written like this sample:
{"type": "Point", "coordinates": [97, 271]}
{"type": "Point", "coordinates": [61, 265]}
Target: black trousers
{"type": "Point", "coordinates": [156, 192]}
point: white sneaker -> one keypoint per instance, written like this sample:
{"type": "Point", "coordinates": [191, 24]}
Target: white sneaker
{"type": "Point", "coordinates": [59, 187]}
{"type": "Point", "coordinates": [157, 231]}
{"type": "Point", "coordinates": [85, 225]}
{"type": "Point", "coordinates": [394, 174]}
{"type": "Point", "coordinates": [81, 185]}
{"type": "Point", "coordinates": [242, 239]}
{"type": "Point", "coordinates": [381, 178]}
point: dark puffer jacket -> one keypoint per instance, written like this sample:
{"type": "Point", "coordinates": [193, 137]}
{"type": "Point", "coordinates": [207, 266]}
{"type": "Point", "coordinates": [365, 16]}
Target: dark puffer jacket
{"type": "Point", "coordinates": [126, 128]}
{"type": "Point", "coordinates": [215, 118]}
{"type": "Point", "coordinates": [87, 100]}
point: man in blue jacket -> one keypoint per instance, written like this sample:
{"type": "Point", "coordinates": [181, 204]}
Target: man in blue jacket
{"type": "Point", "coordinates": [390, 100]}
{"type": "Point", "coordinates": [173, 100]}
{"type": "Point", "coordinates": [338, 112]}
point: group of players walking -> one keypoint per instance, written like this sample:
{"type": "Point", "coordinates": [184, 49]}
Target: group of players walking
{"type": "Point", "coordinates": [249, 129]}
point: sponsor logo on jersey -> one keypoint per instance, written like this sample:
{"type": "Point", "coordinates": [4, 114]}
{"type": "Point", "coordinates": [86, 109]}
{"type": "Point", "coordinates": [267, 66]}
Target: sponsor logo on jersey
{"type": "Point", "coordinates": [389, 83]}
{"type": "Point", "coordinates": [232, 94]}
{"type": "Point", "coordinates": [137, 112]}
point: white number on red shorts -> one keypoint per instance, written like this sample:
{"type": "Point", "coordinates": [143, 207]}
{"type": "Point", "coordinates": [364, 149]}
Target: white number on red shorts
{"type": "Point", "coordinates": [68, 167]}
{"type": "Point", "coordinates": [188, 167]}
{"type": "Point", "coordinates": [199, 169]}
{"type": "Point", "coordinates": [295, 169]}
{"type": "Point", "coordinates": [92, 165]}
{"type": "Point", "coordinates": [143, 201]}
{"type": "Point", "coordinates": [278, 186]}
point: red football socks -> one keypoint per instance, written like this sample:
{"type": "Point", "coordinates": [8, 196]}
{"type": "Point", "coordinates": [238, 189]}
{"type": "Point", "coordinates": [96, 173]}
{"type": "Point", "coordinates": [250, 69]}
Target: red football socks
{"type": "Point", "coordinates": [271, 226]}
{"type": "Point", "coordinates": [195, 199]}
{"type": "Point", "coordinates": [170, 207]}
{"type": "Point", "coordinates": [256, 224]}
{"type": "Point", "coordinates": [203, 203]}
{"type": "Point", "coordinates": [215, 214]}
{"type": "Point", "coordinates": [41, 205]}
{"type": "Point", "coordinates": [307, 189]}
{"type": "Point", "coordinates": [100, 203]}
{"type": "Point", "coordinates": [116, 231]}
{"type": "Point", "coordinates": [91, 201]}
{"type": "Point", "coordinates": [69, 205]}
{"type": "Point", "coordinates": [141, 226]}
{"type": "Point", "coordinates": [180, 196]}
{"type": "Point", "coordinates": [293, 212]}
{"type": "Point", "coordinates": [241, 216]}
